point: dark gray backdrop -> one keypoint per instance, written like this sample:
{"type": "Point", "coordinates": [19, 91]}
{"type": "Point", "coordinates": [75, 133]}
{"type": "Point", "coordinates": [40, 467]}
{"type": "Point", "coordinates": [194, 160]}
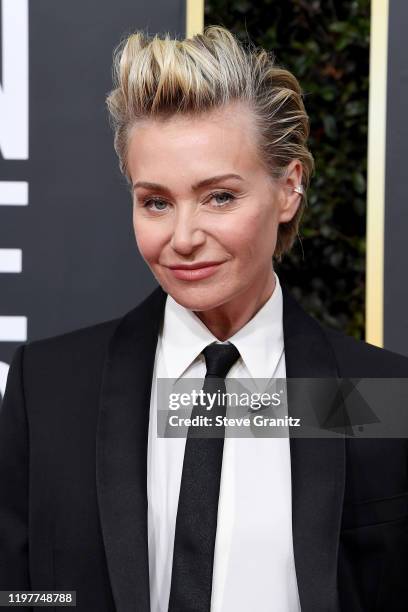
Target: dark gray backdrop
{"type": "Point", "coordinates": [396, 183]}
{"type": "Point", "coordinates": [80, 260]}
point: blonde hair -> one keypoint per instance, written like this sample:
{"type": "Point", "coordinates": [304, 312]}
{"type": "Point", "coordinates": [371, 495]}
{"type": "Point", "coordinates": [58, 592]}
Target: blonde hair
{"type": "Point", "coordinates": [158, 77]}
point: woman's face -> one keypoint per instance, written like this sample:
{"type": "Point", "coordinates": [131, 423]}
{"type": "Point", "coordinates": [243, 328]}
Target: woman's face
{"type": "Point", "coordinates": [205, 210]}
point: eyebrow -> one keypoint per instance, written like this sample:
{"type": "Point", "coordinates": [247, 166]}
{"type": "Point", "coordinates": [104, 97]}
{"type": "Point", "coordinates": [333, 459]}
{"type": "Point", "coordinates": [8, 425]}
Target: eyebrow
{"type": "Point", "coordinates": [204, 183]}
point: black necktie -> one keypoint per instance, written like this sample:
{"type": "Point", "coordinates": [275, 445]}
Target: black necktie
{"type": "Point", "coordinates": [196, 522]}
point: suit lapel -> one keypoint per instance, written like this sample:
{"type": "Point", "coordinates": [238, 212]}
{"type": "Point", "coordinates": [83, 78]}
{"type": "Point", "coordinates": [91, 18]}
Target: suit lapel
{"type": "Point", "coordinates": [121, 453]}
{"type": "Point", "coordinates": [318, 469]}
{"type": "Point", "coordinates": [121, 459]}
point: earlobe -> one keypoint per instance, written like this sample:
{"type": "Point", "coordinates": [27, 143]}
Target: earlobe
{"type": "Point", "coordinates": [289, 211]}
{"type": "Point", "coordinates": [293, 190]}
{"type": "Point", "coordinates": [290, 206]}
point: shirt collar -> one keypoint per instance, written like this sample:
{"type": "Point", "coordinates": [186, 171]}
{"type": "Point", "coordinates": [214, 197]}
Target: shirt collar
{"type": "Point", "coordinates": [259, 341]}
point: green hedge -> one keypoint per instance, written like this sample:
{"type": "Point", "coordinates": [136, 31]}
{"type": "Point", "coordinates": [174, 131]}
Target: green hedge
{"type": "Point", "coordinates": [326, 45]}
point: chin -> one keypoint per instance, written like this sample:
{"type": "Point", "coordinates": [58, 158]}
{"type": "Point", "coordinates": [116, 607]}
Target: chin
{"type": "Point", "coordinates": [194, 298]}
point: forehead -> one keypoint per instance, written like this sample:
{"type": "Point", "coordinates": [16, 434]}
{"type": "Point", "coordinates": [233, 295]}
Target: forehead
{"type": "Point", "coordinates": [219, 141]}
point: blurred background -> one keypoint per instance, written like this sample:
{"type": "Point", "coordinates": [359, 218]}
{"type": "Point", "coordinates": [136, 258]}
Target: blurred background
{"type": "Point", "coordinates": [326, 45]}
{"type": "Point", "coordinates": [68, 257]}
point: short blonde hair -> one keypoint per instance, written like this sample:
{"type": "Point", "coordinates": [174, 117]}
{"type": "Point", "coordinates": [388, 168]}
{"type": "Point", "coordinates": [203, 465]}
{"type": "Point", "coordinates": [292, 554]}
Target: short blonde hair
{"type": "Point", "coordinates": [158, 77]}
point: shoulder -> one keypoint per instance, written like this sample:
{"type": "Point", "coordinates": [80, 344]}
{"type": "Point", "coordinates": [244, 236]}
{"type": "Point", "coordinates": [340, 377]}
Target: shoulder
{"type": "Point", "coordinates": [354, 358]}
{"type": "Point", "coordinates": [75, 350]}
{"type": "Point", "coordinates": [362, 359]}
{"type": "Point", "coordinates": [90, 336]}
{"type": "Point", "coordinates": [53, 370]}
{"type": "Point", "coordinates": [86, 348]}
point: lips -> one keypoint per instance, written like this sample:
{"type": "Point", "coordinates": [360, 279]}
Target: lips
{"type": "Point", "coordinates": [194, 272]}
{"type": "Point", "coordinates": [194, 266]}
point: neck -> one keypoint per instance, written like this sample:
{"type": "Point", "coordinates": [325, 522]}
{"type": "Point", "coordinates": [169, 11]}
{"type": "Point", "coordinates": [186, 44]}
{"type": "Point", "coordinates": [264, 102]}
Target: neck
{"type": "Point", "coordinates": [225, 320]}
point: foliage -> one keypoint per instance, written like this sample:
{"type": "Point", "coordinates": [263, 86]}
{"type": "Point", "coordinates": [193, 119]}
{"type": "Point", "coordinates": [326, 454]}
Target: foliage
{"type": "Point", "coordinates": [325, 43]}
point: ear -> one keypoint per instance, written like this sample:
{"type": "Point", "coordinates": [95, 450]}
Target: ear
{"type": "Point", "coordinates": [290, 200]}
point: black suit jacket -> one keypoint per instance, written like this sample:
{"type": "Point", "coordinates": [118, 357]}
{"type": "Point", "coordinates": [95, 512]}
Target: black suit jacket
{"type": "Point", "coordinates": [73, 449]}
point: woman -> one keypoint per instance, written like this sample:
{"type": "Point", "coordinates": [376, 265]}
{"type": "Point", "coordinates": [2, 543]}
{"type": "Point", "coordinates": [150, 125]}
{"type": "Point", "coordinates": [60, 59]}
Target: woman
{"type": "Point", "coordinates": [212, 138]}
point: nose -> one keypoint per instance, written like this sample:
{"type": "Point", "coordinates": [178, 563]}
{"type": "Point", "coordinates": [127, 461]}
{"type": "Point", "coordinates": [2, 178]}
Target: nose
{"type": "Point", "coordinates": [187, 235]}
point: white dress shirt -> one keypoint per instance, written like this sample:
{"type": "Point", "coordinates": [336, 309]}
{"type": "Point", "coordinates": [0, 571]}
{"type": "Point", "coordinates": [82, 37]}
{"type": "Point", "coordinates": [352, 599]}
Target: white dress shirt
{"type": "Point", "coordinates": [254, 565]}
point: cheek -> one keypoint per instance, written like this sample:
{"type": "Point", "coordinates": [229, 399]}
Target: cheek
{"type": "Point", "coordinates": [148, 238]}
{"type": "Point", "coordinates": [267, 228]}
{"type": "Point", "coordinates": [252, 236]}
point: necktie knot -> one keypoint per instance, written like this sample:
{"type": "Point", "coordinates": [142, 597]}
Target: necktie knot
{"type": "Point", "coordinates": [219, 359]}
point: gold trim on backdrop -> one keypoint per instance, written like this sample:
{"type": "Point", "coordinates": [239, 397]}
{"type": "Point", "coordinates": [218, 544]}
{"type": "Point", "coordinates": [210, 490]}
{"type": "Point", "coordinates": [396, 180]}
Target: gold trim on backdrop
{"type": "Point", "coordinates": [194, 17]}
{"type": "Point", "coordinates": [376, 173]}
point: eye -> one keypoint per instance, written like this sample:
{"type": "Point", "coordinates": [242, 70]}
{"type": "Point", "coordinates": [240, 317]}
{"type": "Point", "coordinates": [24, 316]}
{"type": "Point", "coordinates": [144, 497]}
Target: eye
{"type": "Point", "coordinates": [155, 205]}
{"type": "Point", "coordinates": [222, 198]}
